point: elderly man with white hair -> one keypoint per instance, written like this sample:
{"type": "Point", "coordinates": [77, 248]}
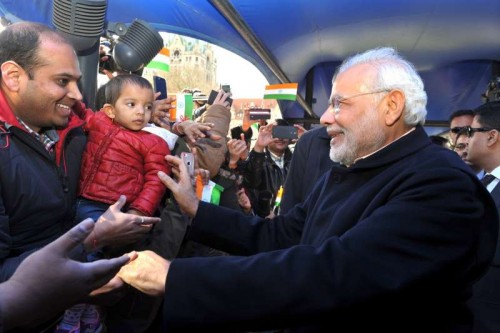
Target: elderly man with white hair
{"type": "Point", "coordinates": [390, 240]}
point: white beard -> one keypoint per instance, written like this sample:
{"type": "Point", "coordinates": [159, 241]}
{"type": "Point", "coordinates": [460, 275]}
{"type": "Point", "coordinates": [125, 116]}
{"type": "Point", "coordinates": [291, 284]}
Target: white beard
{"type": "Point", "coordinates": [363, 138]}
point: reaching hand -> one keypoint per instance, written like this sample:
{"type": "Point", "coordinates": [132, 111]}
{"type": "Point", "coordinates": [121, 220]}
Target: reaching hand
{"type": "Point", "coordinates": [221, 99]}
{"type": "Point", "coordinates": [182, 189]}
{"type": "Point", "coordinates": [194, 131]}
{"type": "Point", "coordinates": [265, 137]}
{"type": "Point", "coordinates": [161, 111]}
{"type": "Point", "coordinates": [147, 273]}
{"type": "Point", "coordinates": [300, 130]}
{"type": "Point", "coordinates": [244, 201]}
{"type": "Point", "coordinates": [115, 227]}
{"type": "Point", "coordinates": [48, 282]}
{"type": "Point", "coordinates": [237, 150]}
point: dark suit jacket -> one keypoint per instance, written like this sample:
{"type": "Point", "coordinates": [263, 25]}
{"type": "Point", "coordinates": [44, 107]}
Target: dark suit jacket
{"type": "Point", "coordinates": [486, 299]}
{"type": "Point", "coordinates": [310, 160]}
{"type": "Point", "coordinates": [391, 244]}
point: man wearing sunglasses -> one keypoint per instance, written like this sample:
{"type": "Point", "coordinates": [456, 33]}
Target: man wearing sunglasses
{"type": "Point", "coordinates": [459, 120]}
{"type": "Point", "coordinates": [461, 147]}
{"type": "Point", "coordinates": [484, 151]}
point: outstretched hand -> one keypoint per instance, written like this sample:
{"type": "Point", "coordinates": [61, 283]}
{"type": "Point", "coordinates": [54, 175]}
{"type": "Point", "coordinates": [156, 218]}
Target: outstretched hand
{"type": "Point", "coordinates": [115, 227]}
{"type": "Point", "coordinates": [182, 189]}
{"type": "Point", "coordinates": [147, 273]}
{"type": "Point", "coordinates": [161, 111]}
{"type": "Point", "coordinates": [193, 130]}
{"type": "Point", "coordinates": [48, 282]}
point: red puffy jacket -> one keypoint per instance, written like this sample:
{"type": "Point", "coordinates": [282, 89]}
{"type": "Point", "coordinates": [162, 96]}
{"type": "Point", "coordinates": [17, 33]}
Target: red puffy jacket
{"type": "Point", "coordinates": [120, 161]}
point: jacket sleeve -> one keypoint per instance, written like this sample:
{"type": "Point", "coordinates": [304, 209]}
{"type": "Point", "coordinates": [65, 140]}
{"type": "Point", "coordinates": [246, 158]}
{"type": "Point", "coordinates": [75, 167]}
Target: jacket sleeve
{"type": "Point", "coordinates": [8, 264]}
{"type": "Point", "coordinates": [153, 190]}
{"type": "Point", "coordinates": [293, 189]}
{"type": "Point", "coordinates": [390, 252]}
{"type": "Point", "coordinates": [209, 156]}
{"type": "Point", "coordinates": [253, 169]}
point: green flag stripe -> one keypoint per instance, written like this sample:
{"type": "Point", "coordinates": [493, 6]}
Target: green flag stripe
{"type": "Point", "coordinates": [159, 65]}
{"type": "Point", "coordinates": [289, 97]}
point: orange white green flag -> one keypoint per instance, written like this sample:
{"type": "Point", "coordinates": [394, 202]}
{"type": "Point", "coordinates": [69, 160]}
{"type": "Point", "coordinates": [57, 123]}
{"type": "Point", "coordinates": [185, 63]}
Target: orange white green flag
{"type": "Point", "coordinates": [161, 62]}
{"type": "Point", "coordinates": [208, 193]}
{"type": "Point", "coordinates": [286, 91]}
{"type": "Point", "coordinates": [183, 107]}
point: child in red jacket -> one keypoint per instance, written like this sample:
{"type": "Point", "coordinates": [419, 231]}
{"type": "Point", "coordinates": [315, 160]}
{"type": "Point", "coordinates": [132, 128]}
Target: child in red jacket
{"type": "Point", "coordinates": [119, 159]}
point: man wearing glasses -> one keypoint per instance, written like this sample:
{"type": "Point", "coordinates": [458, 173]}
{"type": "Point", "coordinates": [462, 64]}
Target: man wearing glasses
{"type": "Point", "coordinates": [484, 151]}
{"type": "Point", "coordinates": [390, 240]}
{"type": "Point", "coordinates": [461, 147]}
{"type": "Point", "coordinates": [459, 120]}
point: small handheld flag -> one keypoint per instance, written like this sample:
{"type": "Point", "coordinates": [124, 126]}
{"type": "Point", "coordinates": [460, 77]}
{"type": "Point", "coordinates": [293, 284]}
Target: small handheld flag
{"type": "Point", "coordinates": [277, 202]}
{"type": "Point", "coordinates": [208, 193]}
{"type": "Point", "coordinates": [183, 108]}
{"type": "Point", "coordinates": [287, 91]}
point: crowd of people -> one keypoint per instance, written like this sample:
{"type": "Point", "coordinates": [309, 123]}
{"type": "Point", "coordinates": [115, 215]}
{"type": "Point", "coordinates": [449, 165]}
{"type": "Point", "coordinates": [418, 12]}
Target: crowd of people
{"type": "Point", "coordinates": [367, 225]}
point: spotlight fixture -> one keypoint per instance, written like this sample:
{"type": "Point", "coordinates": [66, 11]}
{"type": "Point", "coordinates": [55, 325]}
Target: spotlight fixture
{"type": "Point", "coordinates": [137, 47]}
{"type": "Point", "coordinates": [81, 21]}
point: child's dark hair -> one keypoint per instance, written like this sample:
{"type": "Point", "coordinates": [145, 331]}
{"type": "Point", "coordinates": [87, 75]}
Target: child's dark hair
{"type": "Point", "coordinates": [113, 89]}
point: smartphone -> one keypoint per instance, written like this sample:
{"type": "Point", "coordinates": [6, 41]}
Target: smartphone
{"type": "Point", "coordinates": [188, 160]}
{"type": "Point", "coordinates": [257, 114]}
{"type": "Point", "coordinates": [160, 85]}
{"type": "Point", "coordinates": [226, 88]}
{"type": "Point", "coordinates": [213, 95]}
{"type": "Point", "coordinates": [285, 132]}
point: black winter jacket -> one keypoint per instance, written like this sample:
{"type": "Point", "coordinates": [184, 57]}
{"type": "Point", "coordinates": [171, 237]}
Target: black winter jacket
{"type": "Point", "coordinates": [37, 191]}
{"type": "Point", "coordinates": [263, 178]}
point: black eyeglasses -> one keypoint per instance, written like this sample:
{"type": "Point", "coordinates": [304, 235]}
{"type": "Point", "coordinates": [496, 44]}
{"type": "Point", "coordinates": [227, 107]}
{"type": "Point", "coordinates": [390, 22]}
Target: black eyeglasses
{"type": "Point", "coordinates": [469, 131]}
{"type": "Point", "coordinates": [457, 129]}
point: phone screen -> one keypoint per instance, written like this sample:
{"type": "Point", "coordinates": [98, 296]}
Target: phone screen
{"type": "Point", "coordinates": [160, 85]}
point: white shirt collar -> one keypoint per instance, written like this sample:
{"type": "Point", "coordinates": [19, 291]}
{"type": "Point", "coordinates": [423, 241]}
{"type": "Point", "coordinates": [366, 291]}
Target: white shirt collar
{"type": "Point", "coordinates": [495, 172]}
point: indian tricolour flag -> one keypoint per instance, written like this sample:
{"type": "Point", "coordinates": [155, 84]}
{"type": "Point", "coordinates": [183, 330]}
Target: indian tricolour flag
{"type": "Point", "coordinates": [286, 91]}
{"type": "Point", "coordinates": [161, 62]}
{"type": "Point", "coordinates": [183, 108]}
{"type": "Point", "coordinates": [208, 193]}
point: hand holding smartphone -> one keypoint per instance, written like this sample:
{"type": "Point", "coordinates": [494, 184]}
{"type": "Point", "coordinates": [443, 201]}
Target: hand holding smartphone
{"type": "Point", "coordinates": [285, 132]}
{"type": "Point", "coordinates": [258, 114]}
{"type": "Point", "coordinates": [213, 95]}
{"type": "Point", "coordinates": [188, 160]}
{"type": "Point", "coordinates": [160, 85]}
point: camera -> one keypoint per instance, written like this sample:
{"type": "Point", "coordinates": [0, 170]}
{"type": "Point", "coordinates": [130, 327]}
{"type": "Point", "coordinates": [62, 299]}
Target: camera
{"type": "Point", "coordinates": [213, 95]}
{"type": "Point", "coordinates": [258, 114]}
{"type": "Point", "coordinates": [285, 132]}
{"type": "Point", "coordinates": [493, 92]}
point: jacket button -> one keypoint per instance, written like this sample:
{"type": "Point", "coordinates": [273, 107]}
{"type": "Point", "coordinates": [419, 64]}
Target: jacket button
{"type": "Point", "coordinates": [66, 190]}
{"type": "Point", "coordinates": [336, 178]}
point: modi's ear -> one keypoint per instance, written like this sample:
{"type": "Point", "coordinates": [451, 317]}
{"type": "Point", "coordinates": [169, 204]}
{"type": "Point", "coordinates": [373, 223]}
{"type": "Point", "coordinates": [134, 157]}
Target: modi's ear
{"type": "Point", "coordinates": [394, 105]}
{"type": "Point", "coordinates": [109, 110]}
{"type": "Point", "coordinates": [11, 74]}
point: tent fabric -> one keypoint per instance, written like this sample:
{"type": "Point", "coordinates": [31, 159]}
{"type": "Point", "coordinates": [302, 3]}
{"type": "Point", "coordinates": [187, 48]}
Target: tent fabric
{"type": "Point", "coordinates": [453, 43]}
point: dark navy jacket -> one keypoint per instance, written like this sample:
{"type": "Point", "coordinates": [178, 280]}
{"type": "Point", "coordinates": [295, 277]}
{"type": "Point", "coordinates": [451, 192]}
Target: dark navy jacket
{"type": "Point", "coordinates": [37, 192]}
{"type": "Point", "coordinates": [486, 300]}
{"type": "Point", "coordinates": [310, 160]}
{"type": "Point", "coordinates": [391, 244]}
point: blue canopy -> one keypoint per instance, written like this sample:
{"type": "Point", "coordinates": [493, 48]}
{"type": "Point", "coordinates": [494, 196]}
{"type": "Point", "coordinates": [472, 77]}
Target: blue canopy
{"type": "Point", "coordinates": [455, 44]}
